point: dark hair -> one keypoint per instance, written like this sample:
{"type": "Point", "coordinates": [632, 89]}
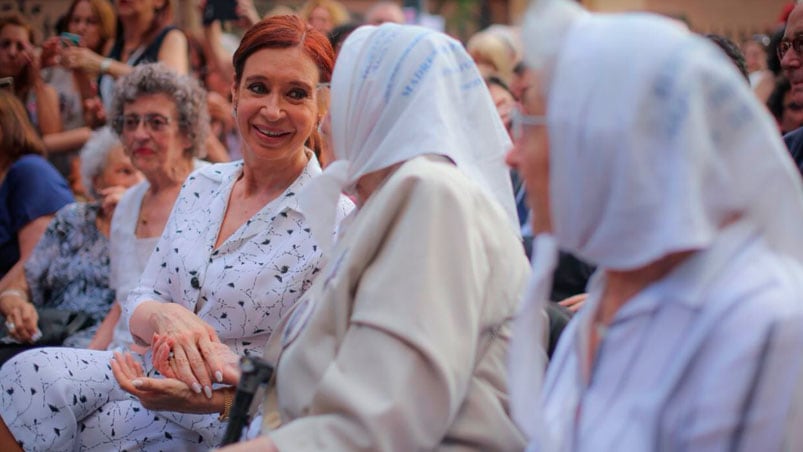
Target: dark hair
{"type": "Point", "coordinates": [281, 32]}
{"type": "Point", "coordinates": [732, 50]}
{"type": "Point", "coordinates": [773, 63]}
{"type": "Point", "coordinates": [17, 135]}
{"type": "Point", "coordinates": [775, 101]}
{"type": "Point", "coordinates": [340, 33]}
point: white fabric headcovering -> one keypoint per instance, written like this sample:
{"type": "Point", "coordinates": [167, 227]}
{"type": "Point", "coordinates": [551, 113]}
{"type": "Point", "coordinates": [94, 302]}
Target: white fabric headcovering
{"type": "Point", "coordinates": [655, 142]}
{"type": "Point", "coordinates": [399, 91]}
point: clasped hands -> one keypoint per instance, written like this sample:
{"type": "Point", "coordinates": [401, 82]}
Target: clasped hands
{"type": "Point", "coordinates": [190, 357]}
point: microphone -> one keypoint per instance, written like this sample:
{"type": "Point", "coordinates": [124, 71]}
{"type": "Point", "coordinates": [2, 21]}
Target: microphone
{"type": "Point", "coordinates": [254, 372]}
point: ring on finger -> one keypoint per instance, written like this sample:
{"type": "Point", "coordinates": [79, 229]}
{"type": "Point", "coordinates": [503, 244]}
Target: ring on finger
{"type": "Point", "coordinates": [10, 325]}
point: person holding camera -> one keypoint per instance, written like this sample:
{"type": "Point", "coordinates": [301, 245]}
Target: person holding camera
{"type": "Point", "coordinates": [19, 67]}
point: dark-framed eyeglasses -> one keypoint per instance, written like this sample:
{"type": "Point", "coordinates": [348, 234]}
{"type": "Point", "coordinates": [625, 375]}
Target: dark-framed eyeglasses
{"type": "Point", "coordinates": [795, 43]}
{"type": "Point", "coordinates": [154, 122]}
{"type": "Point", "coordinates": [519, 120]}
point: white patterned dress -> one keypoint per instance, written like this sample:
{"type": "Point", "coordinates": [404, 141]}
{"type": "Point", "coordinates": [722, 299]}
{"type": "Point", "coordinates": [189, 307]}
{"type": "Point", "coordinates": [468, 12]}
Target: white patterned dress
{"type": "Point", "coordinates": [62, 400]}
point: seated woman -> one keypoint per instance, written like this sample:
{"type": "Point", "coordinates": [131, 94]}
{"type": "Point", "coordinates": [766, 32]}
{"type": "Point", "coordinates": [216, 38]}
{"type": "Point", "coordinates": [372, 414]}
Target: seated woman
{"type": "Point", "coordinates": [235, 255]}
{"type": "Point", "coordinates": [31, 190]}
{"type": "Point", "coordinates": [69, 268]}
{"type": "Point", "coordinates": [400, 344]}
{"type": "Point", "coordinates": [673, 179]}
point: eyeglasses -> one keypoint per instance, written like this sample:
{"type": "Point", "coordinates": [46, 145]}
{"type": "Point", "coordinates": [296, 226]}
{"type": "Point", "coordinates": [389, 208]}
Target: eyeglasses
{"type": "Point", "coordinates": [519, 120]}
{"type": "Point", "coordinates": [154, 122]}
{"type": "Point", "coordinates": [795, 43]}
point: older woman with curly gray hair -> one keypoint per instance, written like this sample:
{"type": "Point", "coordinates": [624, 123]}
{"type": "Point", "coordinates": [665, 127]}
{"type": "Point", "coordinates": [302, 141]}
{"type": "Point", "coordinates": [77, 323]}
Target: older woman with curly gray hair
{"type": "Point", "coordinates": [162, 122]}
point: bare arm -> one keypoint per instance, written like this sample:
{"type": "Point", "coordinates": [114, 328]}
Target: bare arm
{"type": "Point", "coordinates": [105, 332]}
{"type": "Point", "coordinates": [173, 53]}
{"type": "Point", "coordinates": [66, 141]}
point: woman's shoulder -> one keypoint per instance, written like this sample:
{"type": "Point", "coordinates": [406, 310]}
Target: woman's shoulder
{"type": "Point", "coordinates": [32, 164]}
{"type": "Point", "coordinates": [77, 212]}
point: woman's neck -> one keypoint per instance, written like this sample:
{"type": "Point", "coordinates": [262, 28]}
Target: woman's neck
{"type": "Point", "coordinates": [272, 177]}
{"type": "Point", "coordinates": [171, 177]}
{"type": "Point", "coordinates": [621, 286]}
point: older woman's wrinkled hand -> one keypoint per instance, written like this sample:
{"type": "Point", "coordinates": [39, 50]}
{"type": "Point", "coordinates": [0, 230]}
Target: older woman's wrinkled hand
{"type": "Point", "coordinates": [195, 358]}
{"type": "Point", "coordinates": [164, 361]}
{"type": "Point", "coordinates": [158, 394]}
{"type": "Point", "coordinates": [21, 317]}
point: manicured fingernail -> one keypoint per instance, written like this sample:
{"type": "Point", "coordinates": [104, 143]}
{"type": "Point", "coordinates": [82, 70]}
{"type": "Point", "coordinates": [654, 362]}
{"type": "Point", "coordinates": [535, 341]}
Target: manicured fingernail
{"type": "Point", "coordinates": [208, 392]}
{"type": "Point", "coordinates": [196, 387]}
{"type": "Point", "coordinates": [219, 376]}
{"type": "Point", "coordinates": [137, 383]}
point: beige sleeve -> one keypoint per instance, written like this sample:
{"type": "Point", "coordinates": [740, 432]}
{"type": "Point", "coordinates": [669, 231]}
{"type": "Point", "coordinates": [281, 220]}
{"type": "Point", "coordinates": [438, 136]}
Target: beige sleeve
{"type": "Point", "coordinates": [403, 368]}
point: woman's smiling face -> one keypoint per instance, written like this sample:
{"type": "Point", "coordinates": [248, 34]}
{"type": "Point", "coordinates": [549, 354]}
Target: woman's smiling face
{"type": "Point", "coordinates": [276, 103]}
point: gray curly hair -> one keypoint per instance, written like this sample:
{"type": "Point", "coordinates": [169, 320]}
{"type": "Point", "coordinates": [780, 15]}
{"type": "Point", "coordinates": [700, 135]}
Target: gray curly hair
{"type": "Point", "coordinates": [187, 95]}
{"type": "Point", "coordinates": [95, 157]}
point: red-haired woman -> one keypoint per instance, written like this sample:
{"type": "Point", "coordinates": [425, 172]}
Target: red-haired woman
{"type": "Point", "coordinates": [235, 256]}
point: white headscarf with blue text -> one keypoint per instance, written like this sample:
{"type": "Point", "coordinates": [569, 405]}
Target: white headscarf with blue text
{"type": "Point", "coordinates": [399, 91]}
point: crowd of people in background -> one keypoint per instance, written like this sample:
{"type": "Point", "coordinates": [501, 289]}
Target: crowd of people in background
{"type": "Point", "coordinates": [356, 198]}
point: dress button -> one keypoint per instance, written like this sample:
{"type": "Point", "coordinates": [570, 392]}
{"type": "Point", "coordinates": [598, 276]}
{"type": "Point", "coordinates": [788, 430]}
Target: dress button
{"type": "Point", "coordinates": [194, 283]}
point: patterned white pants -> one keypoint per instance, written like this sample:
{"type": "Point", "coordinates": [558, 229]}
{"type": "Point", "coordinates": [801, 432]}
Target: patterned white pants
{"type": "Point", "coordinates": [64, 399]}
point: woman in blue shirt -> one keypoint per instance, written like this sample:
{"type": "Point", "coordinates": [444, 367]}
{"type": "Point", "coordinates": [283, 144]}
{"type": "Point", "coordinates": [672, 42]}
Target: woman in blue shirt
{"type": "Point", "coordinates": [31, 190]}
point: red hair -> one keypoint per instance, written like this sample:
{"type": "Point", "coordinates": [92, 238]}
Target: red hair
{"type": "Point", "coordinates": [280, 32]}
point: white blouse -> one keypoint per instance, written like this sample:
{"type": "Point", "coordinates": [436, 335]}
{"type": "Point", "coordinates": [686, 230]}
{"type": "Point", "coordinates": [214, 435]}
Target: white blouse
{"type": "Point", "coordinates": [246, 285]}
{"type": "Point", "coordinates": [705, 359]}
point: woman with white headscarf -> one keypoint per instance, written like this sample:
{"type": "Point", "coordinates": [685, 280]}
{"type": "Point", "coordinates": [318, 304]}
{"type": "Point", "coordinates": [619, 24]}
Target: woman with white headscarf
{"type": "Point", "coordinates": [663, 170]}
{"type": "Point", "coordinates": [400, 343]}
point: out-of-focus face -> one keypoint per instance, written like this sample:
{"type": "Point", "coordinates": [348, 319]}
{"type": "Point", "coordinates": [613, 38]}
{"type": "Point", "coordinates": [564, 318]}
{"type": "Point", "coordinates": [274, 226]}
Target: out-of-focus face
{"type": "Point", "coordinates": [276, 103]}
{"type": "Point", "coordinates": [792, 61]}
{"type": "Point", "coordinates": [151, 134]}
{"type": "Point", "coordinates": [118, 171]}
{"type": "Point", "coordinates": [14, 43]}
{"type": "Point", "coordinates": [504, 103]}
{"type": "Point", "coordinates": [792, 115]}
{"type": "Point", "coordinates": [127, 8]}
{"type": "Point", "coordinates": [755, 57]}
{"type": "Point", "coordinates": [86, 24]}
{"type": "Point", "coordinates": [530, 155]}
{"type": "Point", "coordinates": [321, 20]}
{"type": "Point", "coordinates": [385, 12]}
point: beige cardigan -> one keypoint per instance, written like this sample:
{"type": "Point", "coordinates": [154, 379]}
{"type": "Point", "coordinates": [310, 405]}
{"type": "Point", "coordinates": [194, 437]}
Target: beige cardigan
{"type": "Point", "coordinates": [400, 344]}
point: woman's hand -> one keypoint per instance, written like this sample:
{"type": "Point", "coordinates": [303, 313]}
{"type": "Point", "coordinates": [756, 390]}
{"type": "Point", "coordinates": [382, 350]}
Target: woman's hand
{"type": "Point", "coordinates": [162, 346]}
{"type": "Point", "coordinates": [574, 303]}
{"type": "Point", "coordinates": [261, 444]}
{"type": "Point", "coordinates": [82, 59]}
{"type": "Point", "coordinates": [94, 113]}
{"type": "Point", "coordinates": [51, 52]}
{"type": "Point", "coordinates": [20, 314]}
{"type": "Point", "coordinates": [161, 394]}
{"type": "Point", "coordinates": [195, 359]}
{"type": "Point", "coordinates": [247, 14]}
{"type": "Point", "coordinates": [109, 197]}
